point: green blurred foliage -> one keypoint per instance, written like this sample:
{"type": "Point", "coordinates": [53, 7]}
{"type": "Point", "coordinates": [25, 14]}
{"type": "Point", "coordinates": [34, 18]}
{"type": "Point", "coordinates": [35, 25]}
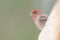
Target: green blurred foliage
{"type": "Point", "coordinates": [15, 21]}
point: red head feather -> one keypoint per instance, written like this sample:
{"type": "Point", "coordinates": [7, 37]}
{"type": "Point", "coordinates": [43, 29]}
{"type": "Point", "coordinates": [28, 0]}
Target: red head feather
{"type": "Point", "coordinates": [34, 13]}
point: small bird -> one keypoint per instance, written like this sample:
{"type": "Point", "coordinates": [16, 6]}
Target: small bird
{"type": "Point", "coordinates": [39, 18]}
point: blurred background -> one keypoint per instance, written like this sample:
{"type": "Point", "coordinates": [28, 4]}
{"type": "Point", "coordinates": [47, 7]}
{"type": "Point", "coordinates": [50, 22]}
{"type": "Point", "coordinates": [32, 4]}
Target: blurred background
{"type": "Point", "coordinates": [15, 21]}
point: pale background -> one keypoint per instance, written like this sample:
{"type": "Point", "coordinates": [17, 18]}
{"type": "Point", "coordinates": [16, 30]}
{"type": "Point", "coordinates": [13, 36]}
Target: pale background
{"type": "Point", "coordinates": [15, 21]}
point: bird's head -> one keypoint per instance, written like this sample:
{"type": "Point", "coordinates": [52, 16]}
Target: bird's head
{"type": "Point", "coordinates": [35, 13]}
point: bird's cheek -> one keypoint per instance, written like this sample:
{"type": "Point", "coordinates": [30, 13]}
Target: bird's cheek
{"type": "Point", "coordinates": [34, 18]}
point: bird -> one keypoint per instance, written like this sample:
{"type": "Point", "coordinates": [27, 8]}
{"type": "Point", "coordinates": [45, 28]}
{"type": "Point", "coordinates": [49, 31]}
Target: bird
{"type": "Point", "coordinates": [39, 18]}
